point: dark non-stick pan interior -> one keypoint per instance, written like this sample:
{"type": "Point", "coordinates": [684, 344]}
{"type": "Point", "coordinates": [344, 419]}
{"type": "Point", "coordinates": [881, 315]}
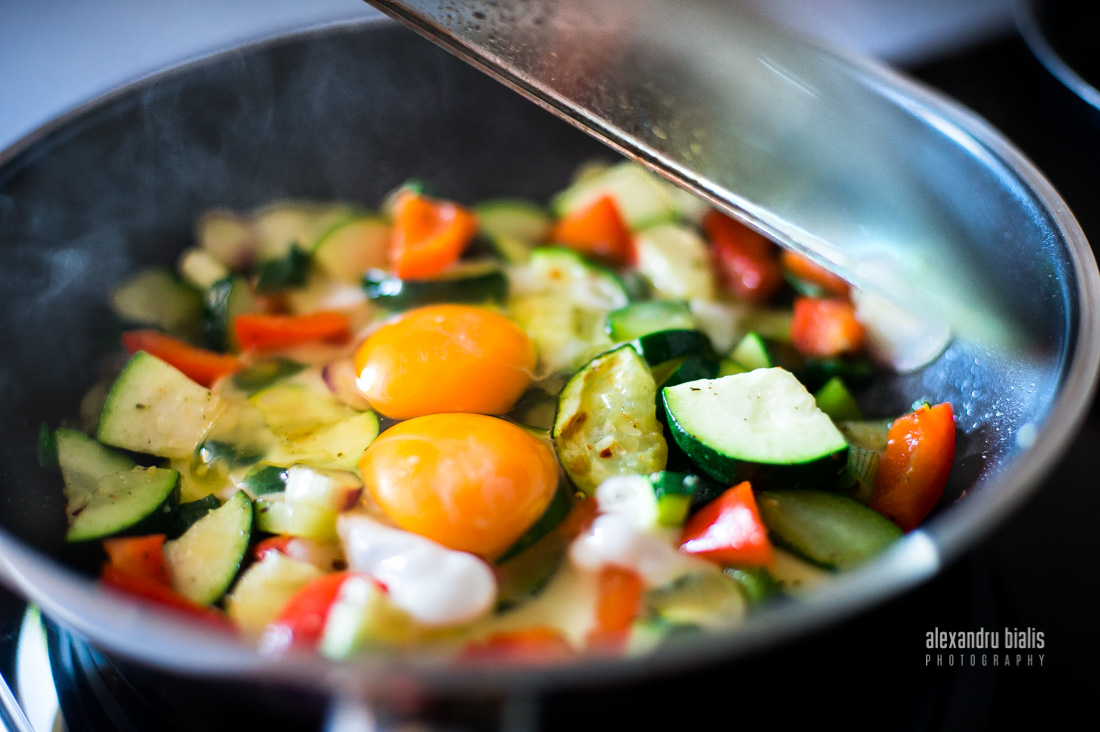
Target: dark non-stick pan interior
{"type": "Point", "coordinates": [348, 114]}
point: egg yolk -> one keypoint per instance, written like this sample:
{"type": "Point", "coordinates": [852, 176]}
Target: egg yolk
{"type": "Point", "coordinates": [445, 358]}
{"type": "Point", "coordinates": [468, 481]}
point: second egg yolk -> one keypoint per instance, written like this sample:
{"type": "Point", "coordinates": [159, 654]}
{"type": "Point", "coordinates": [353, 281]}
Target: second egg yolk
{"type": "Point", "coordinates": [468, 481]}
{"type": "Point", "coordinates": [445, 358]}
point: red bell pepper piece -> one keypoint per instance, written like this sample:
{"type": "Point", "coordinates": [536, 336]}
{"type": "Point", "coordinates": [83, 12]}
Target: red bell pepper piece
{"type": "Point", "coordinates": [807, 271]}
{"type": "Point", "coordinates": [618, 592]}
{"type": "Point", "coordinates": [198, 364]}
{"type": "Point", "coordinates": [154, 592]}
{"type": "Point", "coordinates": [276, 544]}
{"type": "Point", "coordinates": [535, 644]}
{"type": "Point", "coordinates": [598, 231]}
{"type": "Point", "coordinates": [912, 473]}
{"type": "Point", "coordinates": [302, 620]}
{"type": "Point", "coordinates": [825, 327]}
{"type": "Point", "coordinates": [428, 235]}
{"type": "Point", "coordinates": [265, 332]}
{"type": "Point", "coordinates": [728, 530]}
{"type": "Point", "coordinates": [140, 556]}
{"type": "Point", "coordinates": [746, 260]}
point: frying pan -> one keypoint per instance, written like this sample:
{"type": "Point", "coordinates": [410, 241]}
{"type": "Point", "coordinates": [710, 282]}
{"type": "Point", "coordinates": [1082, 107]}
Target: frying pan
{"type": "Point", "coordinates": [347, 113]}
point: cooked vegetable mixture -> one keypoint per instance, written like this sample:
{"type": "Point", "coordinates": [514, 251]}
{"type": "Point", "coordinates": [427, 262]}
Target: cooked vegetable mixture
{"type": "Point", "coordinates": [508, 430]}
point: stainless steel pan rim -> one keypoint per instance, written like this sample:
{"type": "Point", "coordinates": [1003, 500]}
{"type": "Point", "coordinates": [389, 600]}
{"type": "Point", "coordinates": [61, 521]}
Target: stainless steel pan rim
{"type": "Point", "coordinates": [129, 628]}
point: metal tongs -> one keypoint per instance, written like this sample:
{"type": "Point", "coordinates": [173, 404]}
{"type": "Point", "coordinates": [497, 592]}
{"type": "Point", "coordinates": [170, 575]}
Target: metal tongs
{"type": "Point", "coordinates": [835, 158]}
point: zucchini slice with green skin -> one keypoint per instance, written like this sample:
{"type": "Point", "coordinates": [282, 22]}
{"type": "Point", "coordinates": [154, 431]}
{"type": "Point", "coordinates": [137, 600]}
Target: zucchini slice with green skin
{"type": "Point", "coordinates": [263, 374]}
{"type": "Point", "coordinates": [283, 273]}
{"type": "Point", "coordinates": [204, 561]}
{"type": "Point", "coordinates": [836, 401]}
{"type": "Point", "coordinates": [276, 516]}
{"type": "Point", "coordinates": [643, 199]}
{"type": "Point", "coordinates": [476, 282]}
{"type": "Point", "coordinates": [761, 426]}
{"type": "Point", "coordinates": [83, 461]}
{"type": "Point", "coordinates": [350, 249]}
{"type": "Point", "coordinates": [155, 297]}
{"type": "Point", "coordinates": [154, 409]}
{"type": "Point", "coordinates": [757, 583]}
{"type": "Point", "coordinates": [265, 587]}
{"type": "Point", "coordinates": [223, 302]}
{"type": "Point", "coordinates": [663, 346]}
{"type": "Point", "coordinates": [187, 514]}
{"type": "Point", "coordinates": [676, 261]}
{"type": "Point", "coordinates": [607, 423]}
{"type": "Point", "coordinates": [137, 501]}
{"type": "Point", "coordinates": [229, 238]}
{"type": "Point", "coordinates": [751, 353]}
{"type": "Point", "coordinates": [707, 599]}
{"type": "Point", "coordinates": [692, 368]}
{"type": "Point", "coordinates": [514, 219]}
{"type": "Point", "coordinates": [201, 269]}
{"type": "Point", "coordinates": [826, 528]}
{"type": "Point", "coordinates": [642, 318]}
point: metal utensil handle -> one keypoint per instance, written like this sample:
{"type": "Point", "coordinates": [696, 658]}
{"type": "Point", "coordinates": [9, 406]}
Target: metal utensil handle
{"type": "Point", "coordinates": [11, 712]}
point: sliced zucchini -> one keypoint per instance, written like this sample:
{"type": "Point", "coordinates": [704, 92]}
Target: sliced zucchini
{"type": "Point", "coordinates": [606, 422]}
{"type": "Point", "coordinates": [566, 336]}
{"type": "Point", "coordinates": [331, 490]}
{"type": "Point", "coordinates": [364, 614]}
{"type": "Point", "coordinates": [751, 353]}
{"type": "Point", "coordinates": [525, 574]}
{"type": "Point", "coordinates": [349, 250]}
{"type": "Point", "coordinates": [338, 446]}
{"type": "Point", "coordinates": [870, 434]}
{"type": "Point", "coordinates": [294, 411]}
{"type": "Point", "coordinates": [642, 318]}
{"type": "Point", "coordinates": [262, 374]}
{"type": "Point", "coordinates": [513, 219]}
{"type": "Point", "coordinates": [642, 198]}
{"type": "Point", "coordinates": [858, 479]}
{"type": "Point", "coordinates": [201, 269]}
{"type": "Point", "coordinates": [155, 297]}
{"type": "Point", "coordinates": [154, 409]}
{"type": "Point", "coordinates": [204, 561]}
{"type": "Point", "coordinates": [287, 272]}
{"type": "Point", "coordinates": [229, 238]}
{"type": "Point", "coordinates": [761, 425]}
{"type": "Point", "coordinates": [692, 368]}
{"type": "Point", "coordinates": [224, 301]}
{"type": "Point", "coordinates": [564, 272]}
{"type": "Point", "coordinates": [836, 401]}
{"type": "Point", "coordinates": [826, 528]}
{"type": "Point", "coordinates": [676, 261]}
{"type": "Point", "coordinates": [704, 599]}
{"type": "Point", "coordinates": [666, 345]}
{"type": "Point", "coordinates": [265, 587]}
{"type": "Point", "coordinates": [83, 461]}
{"type": "Point", "coordinates": [186, 514]}
{"type": "Point", "coordinates": [474, 282]}
{"type": "Point", "coordinates": [283, 225]}
{"type": "Point", "coordinates": [757, 583]}
{"type": "Point", "coordinates": [276, 516]}
{"type": "Point", "coordinates": [264, 479]}
{"type": "Point", "coordinates": [561, 301]}
{"type": "Point", "coordinates": [137, 501]}
{"type": "Point", "coordinates": [675, 494]}
{"type": "Point", "coordinates": [727, 367]}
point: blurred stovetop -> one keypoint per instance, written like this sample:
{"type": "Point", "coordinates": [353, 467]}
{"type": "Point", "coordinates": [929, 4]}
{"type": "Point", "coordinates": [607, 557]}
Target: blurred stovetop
{"type": "Point", "coordinates": [1034, 572]}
